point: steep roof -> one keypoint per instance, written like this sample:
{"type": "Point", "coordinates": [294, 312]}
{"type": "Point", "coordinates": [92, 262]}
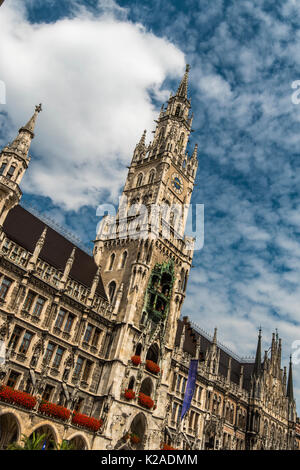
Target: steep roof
{"type": "Point", "coordinates": [24, 228]}
{"type": "Point", "coordinates": [189, 346]}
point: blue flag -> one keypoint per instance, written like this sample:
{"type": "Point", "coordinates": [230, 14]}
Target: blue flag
{"type": "Point", "coordinates": [190, 387]}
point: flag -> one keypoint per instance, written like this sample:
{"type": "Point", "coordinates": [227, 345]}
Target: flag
{"type": "Point", "coordinates": [190, 387]}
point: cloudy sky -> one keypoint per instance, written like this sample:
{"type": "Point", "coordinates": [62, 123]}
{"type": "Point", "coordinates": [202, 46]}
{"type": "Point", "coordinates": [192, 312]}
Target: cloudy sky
{"type": "Point", "coordinates": [102, 70]}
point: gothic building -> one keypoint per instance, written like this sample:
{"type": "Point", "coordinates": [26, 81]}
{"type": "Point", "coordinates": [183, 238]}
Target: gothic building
{"type": "Point", "coordinates": [95, 351]}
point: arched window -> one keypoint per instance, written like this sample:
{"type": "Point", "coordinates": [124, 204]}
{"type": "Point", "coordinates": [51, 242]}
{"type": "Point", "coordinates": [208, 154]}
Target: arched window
{"type": "Point", "coordinates": [131, 383]}
{"type": "Point", "coordinates": [11, 171]}
{"type": "Point", "coordinates": [177, 112]}
{"type": "Point", "coordinates": [151, 176]}
{"type": "Point", "coordinates": [147, 387]}
{"type": "Point", "coordinates": [138, 350]}
{"type": "Point", "coordinates": [111, 290]}
{"type": "Point", "coordinates": [111, 262]}
{"type": "Point", "coordinates": [124, 258]}
{"type": "Point", "coordinates": [153, 353]}
{"type": "Point", "coordinates": [139, 179]}
{"type": "Point", "coordinates": [2, 168]}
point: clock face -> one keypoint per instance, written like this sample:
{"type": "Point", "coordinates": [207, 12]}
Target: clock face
{"type": "Point", "coordinates": [177, 183]}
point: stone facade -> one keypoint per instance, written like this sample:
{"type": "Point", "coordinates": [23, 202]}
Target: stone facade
{"type": "Point", "coordinates": [101, 335]}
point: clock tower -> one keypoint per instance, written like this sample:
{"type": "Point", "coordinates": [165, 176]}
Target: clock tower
{"type": "Point", "coordinates": [145, 256]}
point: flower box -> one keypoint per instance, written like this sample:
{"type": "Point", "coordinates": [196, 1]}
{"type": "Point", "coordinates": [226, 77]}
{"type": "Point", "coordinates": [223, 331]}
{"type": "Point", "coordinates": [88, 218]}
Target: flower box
{"type": "Point", "coordinates": [56, 411]}
{"type": "Point", "coordinates": [129, 394]}
{"type": "Point", "coordinates": [85, 421]}
{"type": "Point", "coordinates": [167, 447]}
{"type": "Point", "coordinates": [146, 401]}
{"type": "Point", "coordinates": [152, 367]}
{"type": "Point", "coordinates": [10, 395]}
{"type": "Point", "coordinates": [136, 360]}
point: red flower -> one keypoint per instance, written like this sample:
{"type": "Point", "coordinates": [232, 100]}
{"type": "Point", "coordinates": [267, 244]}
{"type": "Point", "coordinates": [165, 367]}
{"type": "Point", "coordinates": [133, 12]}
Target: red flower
{"type": "Point", "coordinates": [129, 394]}
{"type": "Point", "coordinates": [9, 395]}
{"type": "Point", "coordinates": [136, 360]}
{"type": "Point", "coordinates": [86, 421]}
{"type": "Point", "coordinates": [152, 367]}
{"type": "Point", "coordinates": [56, 411]}
{"type": "Point", "coordinates": [146, 401]}
{"type": "Point", "coordinates": [134, 438]}
{"type": "Point", "coordinates": [167, 447]}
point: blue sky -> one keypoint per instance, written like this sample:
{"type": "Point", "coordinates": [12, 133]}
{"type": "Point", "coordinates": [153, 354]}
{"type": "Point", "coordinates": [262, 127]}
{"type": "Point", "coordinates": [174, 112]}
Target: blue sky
{"type": "Point", "coordinates": [102, 70]}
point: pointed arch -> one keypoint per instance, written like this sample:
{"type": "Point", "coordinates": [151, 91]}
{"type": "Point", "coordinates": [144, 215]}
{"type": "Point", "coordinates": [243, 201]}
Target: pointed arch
{"type": "Point", "coordinates": [147, 387]}
{"type": "Point", "coordinates": [139, 180]}
{"type": "Point", "coordinates": [10, 429]}
{"type": "Point", "coordinates": [124, 259]}
{"type": "Point", "coordinates": [111, 261]}
{"type": "Point", "coordinates": [151, 176]}
{"type": "Point", "coordinates": [153, 353]}
{"type": "Point", "coordinates": [112, 290]}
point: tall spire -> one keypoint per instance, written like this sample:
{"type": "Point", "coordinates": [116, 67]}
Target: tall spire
{"type": "Point", "coordinates": [257, 364]}
{"type": "Point", "coordinates": [290, 388]}
{"type": "Point", "coordinates": [183, 87]}
{"type": "Point", "coordinates": [31, 123]}
{"type": "Point", "coordinates": [21, 143]}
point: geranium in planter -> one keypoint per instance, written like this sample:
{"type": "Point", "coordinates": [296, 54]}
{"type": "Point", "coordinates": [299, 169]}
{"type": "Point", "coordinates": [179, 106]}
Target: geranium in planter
{"type": "Point", "coordinates": [146, 401]}
{"type": "Point", "coordinates": [10, 395]}
{"type": "Point", "coordinates": [85, 421]}
{"type": "Point", "coordinates": [134, 439]}
{"type": "Point", "coordinates": [152, 367]}
{"type": "Point", "coordinates": [136, 360]}
{"type": "Point", "coordinates": [56, 411]}
{"type": "Point", "coordinates": [129, 394]}
{"type": "Point", "coordinates": [167, 447]}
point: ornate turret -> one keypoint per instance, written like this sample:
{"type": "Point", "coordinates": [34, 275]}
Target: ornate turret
{"type": "Point", "coordinates": [257, 365]}
{"type": "Point", "coordinates": [290, 388]}
{"type": "Point", "coordinates": [183, 87]}
{"type": "Point", "coordinates": [38, 248]}
{"type": "Point", "coordinates": [14, 160]}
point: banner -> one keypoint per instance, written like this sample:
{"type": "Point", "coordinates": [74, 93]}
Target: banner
{"type": "Point", "coordinates": [190, 387]}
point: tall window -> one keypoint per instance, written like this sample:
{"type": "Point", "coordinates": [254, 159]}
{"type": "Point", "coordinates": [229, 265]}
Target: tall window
{"type": "Point", "coordinates": [49, 352]}
{"type": "Point", "coordinates": [47, 392]}
{"type": "Point", "coordinates": [174, 409]}
{"type": "Point", "coordinates": [111, 290]}
{"type": "Point", "coordinates": [28, 301]}
{"type": "Point", "coordinates": [124, 258]}
{"type": "Point", "coordinates": [12, 379]}
{"type": "Point", "coordinates": [151, 176]}
{"type": "Point", "coordinates": [39, 306]}
{"type": "Point", "coordinates": [111, 262]}
{"type": "Point", "coordinates": [78, 366]}
{"type": "Point", "coordinates": [26, 342]}
{"type": "Point", "coordinates": [69, 323]}
{"type": "Point", "coordinates": [88, 333]}
{"type": "Point", "coordinates": [79, 405]}
{"type": "Point", "coordinates": [139, 180]}
{"type": "Point", "coordinates": [87, 370]}
{"type": "Point", "coordinates": [60, 318]}
{"type": "Point", "coordinates": [15, 337]}
{"type": "Point", "coordinates": [11, 171]}
{"type": "Point", "coordinates": [5, 285]}
{"type": "Point", "coordinates": [58, 357]}
{"type": "Point", "coordinates": [96, 337]}
{"type": "Point", "coordinates": [183, 385]}
{"type": "Point", "coordinates": [2, 168]}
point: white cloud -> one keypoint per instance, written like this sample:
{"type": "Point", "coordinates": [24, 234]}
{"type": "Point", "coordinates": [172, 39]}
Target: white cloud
{"type": "Point", "coordinates": [93, 76]}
